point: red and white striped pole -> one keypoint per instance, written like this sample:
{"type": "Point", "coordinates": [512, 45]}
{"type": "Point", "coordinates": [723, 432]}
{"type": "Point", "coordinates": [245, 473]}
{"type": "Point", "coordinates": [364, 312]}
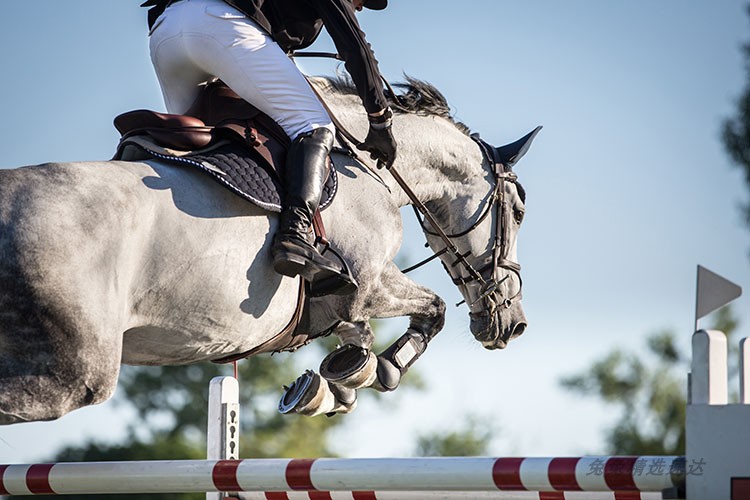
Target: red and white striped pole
{"type": "Point", "coordinates": [450, 495]}
{"type": "Point", "coordinates": [601, 474]}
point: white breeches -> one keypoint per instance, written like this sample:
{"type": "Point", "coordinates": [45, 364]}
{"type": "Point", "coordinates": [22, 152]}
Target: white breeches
{"type": "Point", "coordinates": [197, 40]}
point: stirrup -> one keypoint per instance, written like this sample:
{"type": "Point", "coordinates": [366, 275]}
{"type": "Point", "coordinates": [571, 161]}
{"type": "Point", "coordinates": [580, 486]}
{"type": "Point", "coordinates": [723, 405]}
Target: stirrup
{"type": "Point", "coordinates": [325, 276]}
{"type": "Point", "coordinates": [328, 283]}
{"type": "Point", "coordinates": [338, 283]}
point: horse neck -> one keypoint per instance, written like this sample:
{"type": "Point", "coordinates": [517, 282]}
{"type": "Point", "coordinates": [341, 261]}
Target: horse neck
{"type": "Point", "coordinates": [437, 160]}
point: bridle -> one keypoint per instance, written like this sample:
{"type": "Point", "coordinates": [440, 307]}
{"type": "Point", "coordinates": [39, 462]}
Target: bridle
{"type": "Point", "coordinates": [497, 203]}
{"type": "Point", "coordinates": [489, 287]}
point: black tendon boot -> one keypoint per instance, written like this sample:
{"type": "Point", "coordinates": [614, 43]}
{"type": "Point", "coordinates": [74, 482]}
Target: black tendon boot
{"type": "Point", "coordinates": [293, 251]}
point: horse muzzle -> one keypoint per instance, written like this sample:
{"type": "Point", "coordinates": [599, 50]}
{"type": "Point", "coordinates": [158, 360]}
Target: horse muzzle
{"type": "Point", "coordinates": [495, 329]}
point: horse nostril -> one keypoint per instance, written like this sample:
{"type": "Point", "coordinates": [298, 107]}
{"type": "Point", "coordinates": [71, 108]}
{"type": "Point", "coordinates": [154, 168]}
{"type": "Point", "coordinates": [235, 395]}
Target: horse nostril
{"type": "Point", "coordinates": [518, 330]}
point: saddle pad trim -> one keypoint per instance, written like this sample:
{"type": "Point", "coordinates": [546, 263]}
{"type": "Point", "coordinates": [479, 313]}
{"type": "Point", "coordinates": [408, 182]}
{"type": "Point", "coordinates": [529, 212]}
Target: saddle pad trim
{"type": "Point", "coordinates": [272, 207]}
{"type": "Point", "coordinates": [216, 173]}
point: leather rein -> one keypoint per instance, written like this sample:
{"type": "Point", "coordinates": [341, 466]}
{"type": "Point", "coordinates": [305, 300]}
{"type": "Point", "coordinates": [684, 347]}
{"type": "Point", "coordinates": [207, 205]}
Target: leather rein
{"type": "Point", "coordinates": [489, 291]}
{"type": "Point", "coordinates": [496, 203]}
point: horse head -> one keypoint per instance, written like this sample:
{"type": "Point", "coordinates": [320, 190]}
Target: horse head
{"type": "Point", "coordinates": [485, 266]}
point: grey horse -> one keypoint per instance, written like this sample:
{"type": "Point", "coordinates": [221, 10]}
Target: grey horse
{"type": "Point", "coordinates": [103, 263]}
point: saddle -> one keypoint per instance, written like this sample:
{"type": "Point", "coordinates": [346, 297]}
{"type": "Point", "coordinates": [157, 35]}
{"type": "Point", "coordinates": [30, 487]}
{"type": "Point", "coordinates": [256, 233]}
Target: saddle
{"type": "Point", "coordinates": [223, 135]}
{"type": "Point", "coordinates": [218, 114]}
{"type": "Point", "coordinates": [238, 145]}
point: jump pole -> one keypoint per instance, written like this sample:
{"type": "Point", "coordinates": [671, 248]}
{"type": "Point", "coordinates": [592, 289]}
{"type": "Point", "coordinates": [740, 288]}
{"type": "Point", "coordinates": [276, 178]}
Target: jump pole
{"type": "Point", "coordinates": [510, 477]}
{"type": "Point", "coordinates": [462, 474]}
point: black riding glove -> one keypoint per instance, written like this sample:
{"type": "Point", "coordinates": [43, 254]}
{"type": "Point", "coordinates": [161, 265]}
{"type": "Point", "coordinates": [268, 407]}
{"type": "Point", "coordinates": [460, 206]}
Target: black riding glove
{"type": "Point", "coordinates": [379, 141]}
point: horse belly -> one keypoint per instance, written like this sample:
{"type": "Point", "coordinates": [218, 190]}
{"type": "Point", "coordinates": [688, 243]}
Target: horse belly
{"type": "Point", "coordinates": [222, 303]}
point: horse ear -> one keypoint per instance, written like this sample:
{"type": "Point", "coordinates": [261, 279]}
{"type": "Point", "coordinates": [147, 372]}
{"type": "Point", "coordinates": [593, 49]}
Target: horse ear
{"type": "Point", "coordinates": [511, 153]}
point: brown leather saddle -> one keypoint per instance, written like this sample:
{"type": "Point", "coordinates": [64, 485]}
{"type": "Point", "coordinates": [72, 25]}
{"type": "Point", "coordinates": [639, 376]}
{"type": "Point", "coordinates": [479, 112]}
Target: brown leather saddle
{"type": "Point", "coordinates": [217, 114]}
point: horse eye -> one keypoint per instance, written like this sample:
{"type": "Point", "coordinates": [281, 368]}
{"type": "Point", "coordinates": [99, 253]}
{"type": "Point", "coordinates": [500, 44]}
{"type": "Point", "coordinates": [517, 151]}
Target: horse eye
{"type": "Point", "coordinates": [518, 215]}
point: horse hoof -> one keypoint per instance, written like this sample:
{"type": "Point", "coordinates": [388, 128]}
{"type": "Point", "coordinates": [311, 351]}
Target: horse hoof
{"type": "Point", "coordinates": [350, 366]}
{"type": "Point", "coordinates": [299, 394]}
{"type": "Point", "coordinates": [311, 395]}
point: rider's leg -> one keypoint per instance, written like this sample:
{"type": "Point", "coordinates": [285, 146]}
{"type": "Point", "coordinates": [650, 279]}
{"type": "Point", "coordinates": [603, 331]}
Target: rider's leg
{"type": "Point", "coordinates": [179, 77]}
{"type": "Point", "coordinates": [293, 252]}
{"type": "Point", "coordinates": [208, 37]}
{"type": "Point", "coordinates": [213, 38]}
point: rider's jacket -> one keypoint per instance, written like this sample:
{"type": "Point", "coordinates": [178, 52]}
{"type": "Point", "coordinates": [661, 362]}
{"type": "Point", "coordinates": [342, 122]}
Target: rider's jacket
{"type": "Point", "coordinates": [295, 24]}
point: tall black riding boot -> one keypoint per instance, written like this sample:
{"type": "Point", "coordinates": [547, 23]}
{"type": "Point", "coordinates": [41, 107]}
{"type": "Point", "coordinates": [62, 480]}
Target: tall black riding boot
{"type": "Point", "coordinates": [293, 251]}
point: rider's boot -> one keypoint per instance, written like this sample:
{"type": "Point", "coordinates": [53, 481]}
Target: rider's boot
{"type": "Point", "coordinates": [293, 251]}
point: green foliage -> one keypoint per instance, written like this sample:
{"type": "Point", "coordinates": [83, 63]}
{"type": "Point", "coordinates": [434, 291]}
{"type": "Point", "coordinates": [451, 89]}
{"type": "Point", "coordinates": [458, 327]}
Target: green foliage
{"type": "Point", "coordinates": [736, 130]}
{"type": "Point", "coordinates": [648, 387]}
{"type": "Point", "coordinates": [173, 400]}
{"type": "Point", "coordinates": [471, 439]}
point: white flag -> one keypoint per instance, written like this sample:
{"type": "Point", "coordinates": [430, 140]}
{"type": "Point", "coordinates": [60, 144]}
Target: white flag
{"type": "Point", "coordinates": [713, 292]}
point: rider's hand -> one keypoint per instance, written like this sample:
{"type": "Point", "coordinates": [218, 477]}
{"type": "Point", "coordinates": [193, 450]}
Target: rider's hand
{"type": "Point", "coordinates": [380, 142]}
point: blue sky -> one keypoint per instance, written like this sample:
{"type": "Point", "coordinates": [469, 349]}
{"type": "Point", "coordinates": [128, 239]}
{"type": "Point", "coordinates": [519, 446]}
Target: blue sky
{"type": "Point", "coordinates": [628, 185]}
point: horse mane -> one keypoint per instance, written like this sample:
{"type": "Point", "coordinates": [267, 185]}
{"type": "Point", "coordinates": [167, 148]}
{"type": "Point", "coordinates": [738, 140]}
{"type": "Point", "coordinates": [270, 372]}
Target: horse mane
{"type": "Point", "coordinates": [419, 97]}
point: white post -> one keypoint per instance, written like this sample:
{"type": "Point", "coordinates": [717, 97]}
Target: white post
{"type": "Point", "coordinates": [223, 432]}
{"type": "Point", "coordinates": [745, 371]}
{"type": "Point", "coordinates": [708, 381]}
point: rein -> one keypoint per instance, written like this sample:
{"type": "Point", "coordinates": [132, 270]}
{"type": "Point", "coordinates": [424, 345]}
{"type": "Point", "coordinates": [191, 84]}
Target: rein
{"type": "Point", "coordinates": [489, 289]}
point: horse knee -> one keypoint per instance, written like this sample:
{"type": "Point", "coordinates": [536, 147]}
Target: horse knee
{"type": "Point", "coordinates": [439, 305]}
{"type": "Point", "coordinates": [431, 320]}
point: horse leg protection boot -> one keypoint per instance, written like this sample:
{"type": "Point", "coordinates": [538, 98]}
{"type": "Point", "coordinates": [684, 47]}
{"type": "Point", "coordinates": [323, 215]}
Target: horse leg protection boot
{"type": "Point", "coordinates": [293, 251]}
{"type": "Point", "coordinates": [312, 395]}
{"type": "Point", "coordinates": [395, 361]}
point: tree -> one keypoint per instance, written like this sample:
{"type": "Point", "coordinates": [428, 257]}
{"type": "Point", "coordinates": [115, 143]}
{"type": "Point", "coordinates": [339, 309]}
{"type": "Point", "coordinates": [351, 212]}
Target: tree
{"type": "Point", "coordinates": [649, 389]}
{"type": "Point", "coordinates": [471, 439]}
{"type": "Point", "coordinates": [736, 130]}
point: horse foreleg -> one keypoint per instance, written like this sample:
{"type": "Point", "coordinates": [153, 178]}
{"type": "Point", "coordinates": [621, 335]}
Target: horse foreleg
{"type": "Point", "coordinates": [397, 295]}
{"type": "Point", "coordinates": [312, 394]}
{"type": "Point", "coordinates": [354, 366]}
